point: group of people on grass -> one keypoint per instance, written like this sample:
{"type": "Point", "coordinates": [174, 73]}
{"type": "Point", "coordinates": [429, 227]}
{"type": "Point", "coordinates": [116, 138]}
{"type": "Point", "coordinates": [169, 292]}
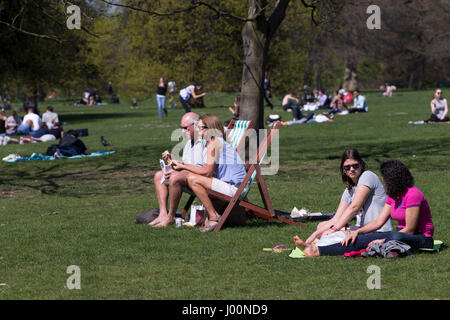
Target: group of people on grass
{"type": "Point", "coordinates": [91, 97]}
{"type": "Point", "coordinates": [339, 105]}
{"type": "Point", "coordinates": [321, 101]}
{"type": "Point", "coordinates": [374, 206]}
{"type": "Point", "coordinates": [209, 162]}
{"type": "Point", "coordinates": [34, 127]}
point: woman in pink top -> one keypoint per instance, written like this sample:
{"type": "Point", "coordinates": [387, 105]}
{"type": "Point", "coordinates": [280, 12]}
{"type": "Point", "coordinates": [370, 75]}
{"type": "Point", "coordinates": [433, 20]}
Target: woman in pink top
{"type": "Point", "coordinates": [406, 204]}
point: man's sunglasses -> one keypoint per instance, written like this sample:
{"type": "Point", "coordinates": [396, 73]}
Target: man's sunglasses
{"type": "Point", "coordinates": [353, 165]}
{"type": "Point", "coordinates": [185, 128]}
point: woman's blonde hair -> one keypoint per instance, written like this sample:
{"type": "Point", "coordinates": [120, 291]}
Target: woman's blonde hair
{"type": "Point", "coordinates": [214, 127]}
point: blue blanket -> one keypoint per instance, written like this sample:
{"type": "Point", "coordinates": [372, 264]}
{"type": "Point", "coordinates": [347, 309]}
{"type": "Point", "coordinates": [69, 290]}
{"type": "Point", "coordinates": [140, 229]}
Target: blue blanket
{"type": "Point", "coordinates": [38, 156]}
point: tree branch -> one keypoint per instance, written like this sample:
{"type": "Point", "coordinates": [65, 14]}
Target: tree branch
{"type": "Point", "coordinates": [194, 5]}
{"type": "Point", "coordinates": [277, 17]}
{"type": "Point", "coordinates": [44, 36]}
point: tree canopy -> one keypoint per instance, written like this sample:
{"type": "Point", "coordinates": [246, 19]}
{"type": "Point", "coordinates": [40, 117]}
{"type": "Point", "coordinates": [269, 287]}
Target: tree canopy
{"type": "Point", "coordinates": [132, 48]}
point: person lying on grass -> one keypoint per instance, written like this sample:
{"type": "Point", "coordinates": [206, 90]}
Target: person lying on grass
{"type": "Point", "coordinates": [363, 198]}
{"type": "Point", "coordinates": [223, 171]}
{"type": "Point", "coordinates": [405, 203]}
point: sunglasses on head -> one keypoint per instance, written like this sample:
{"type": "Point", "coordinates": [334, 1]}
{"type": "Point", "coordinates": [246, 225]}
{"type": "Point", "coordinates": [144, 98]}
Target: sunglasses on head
{"type": "Point", "coordinates": [353, 165]}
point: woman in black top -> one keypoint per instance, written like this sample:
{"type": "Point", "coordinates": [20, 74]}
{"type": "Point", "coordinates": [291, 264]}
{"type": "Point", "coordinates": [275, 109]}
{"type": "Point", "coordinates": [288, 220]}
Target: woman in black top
{"type": "Point", "coordinates": [161, 91]}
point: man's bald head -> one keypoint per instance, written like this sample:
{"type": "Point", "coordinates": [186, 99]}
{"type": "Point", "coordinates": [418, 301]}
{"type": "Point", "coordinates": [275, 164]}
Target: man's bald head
{"type": "Point", "coordinates": [189, 119]}
{"type": "Point", "coordinates": [187, 123]}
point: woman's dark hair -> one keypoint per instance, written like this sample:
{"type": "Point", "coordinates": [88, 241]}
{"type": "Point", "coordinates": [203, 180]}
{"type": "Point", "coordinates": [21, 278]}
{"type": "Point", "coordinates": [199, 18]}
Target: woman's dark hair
{"type": "Point", "coordinates": [397, 178]}
{"type": "Point", "coordinates": [351, 154]}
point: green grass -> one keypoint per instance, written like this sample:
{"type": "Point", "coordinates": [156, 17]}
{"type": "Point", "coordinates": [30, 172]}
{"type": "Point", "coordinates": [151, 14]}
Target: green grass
{"type": "Point", "coordinates": [82, 212]}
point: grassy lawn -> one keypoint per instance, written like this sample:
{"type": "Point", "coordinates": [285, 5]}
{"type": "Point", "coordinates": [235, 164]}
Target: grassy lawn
{"type": "Point", "coordinates": [82, 212]}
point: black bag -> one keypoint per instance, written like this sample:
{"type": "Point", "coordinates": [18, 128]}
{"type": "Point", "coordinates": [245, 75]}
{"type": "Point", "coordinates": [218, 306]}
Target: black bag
{"type": "Point", "coordinates": [52, 149]}
{"type": "Point", "coordinates": [147, 216]}
{"type": "Point", "coordinates": [82, 132]}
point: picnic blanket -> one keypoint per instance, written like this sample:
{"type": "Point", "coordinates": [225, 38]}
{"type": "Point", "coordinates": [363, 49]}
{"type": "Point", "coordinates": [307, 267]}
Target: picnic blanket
{"type": "Point", "coordinates": [38, 156]}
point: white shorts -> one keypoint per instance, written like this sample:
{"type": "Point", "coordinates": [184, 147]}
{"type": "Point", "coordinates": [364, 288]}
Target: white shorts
{"type": "Point", "coordinates": [223, 187]}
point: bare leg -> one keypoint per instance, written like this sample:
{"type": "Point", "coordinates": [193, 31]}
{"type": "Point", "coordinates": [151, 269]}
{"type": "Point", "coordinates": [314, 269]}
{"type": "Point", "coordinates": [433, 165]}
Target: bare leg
{"type": "Point", "coordinates": [161, 193]}
{"type": "Point", "coordinates": [310, 251]}
{"type": "Point", "coordinates": [199, 184]}
{"type": "Point", "coordinates": [176, 183]}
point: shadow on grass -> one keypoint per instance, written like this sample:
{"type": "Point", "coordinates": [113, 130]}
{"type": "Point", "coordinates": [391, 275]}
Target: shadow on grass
{"type": "Point", "coordinates": [78, 182]}
{"type": "Point", "coordinates": [72, 118]}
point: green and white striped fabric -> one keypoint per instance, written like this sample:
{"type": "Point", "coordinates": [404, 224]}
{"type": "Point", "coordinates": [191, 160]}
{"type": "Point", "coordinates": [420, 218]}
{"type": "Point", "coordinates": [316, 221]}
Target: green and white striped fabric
{"type": "Point", "coordinates": [236, 134]}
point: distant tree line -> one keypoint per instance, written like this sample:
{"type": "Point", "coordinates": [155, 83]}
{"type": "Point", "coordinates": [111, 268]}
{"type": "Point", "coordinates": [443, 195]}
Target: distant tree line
{"type": "Point", "coordinates": [132, 49]}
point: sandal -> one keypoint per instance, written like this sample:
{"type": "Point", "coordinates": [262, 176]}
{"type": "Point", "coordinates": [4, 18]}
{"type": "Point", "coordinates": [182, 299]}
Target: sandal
{"type": "Point", "coordinates": [210, 228]}
{"type": "Point", "coordinates": [277, 249]}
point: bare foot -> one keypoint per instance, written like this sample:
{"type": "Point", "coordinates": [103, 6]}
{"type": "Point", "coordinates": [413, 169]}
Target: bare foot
{"type": "Point", "coordinates": [158, 219]}
{"type": "Point", "coordinates": [164, 222]}
{"type": "Point", "coordinates": [309, 250]}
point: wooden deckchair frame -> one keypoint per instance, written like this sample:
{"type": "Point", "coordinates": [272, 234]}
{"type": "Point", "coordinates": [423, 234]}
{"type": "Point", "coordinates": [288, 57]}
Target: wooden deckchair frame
{"type": "Point", "coordinates": [253, 168]}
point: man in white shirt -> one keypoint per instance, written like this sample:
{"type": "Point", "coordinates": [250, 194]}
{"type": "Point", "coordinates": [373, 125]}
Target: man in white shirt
{"type": "Point", "coordinates": [31, 122]}
{"type": "Point", "coordinates": [194, 153]}
{"type": "Point", "coordinates": [359, 103]}
{"type": "Point", "coordinates": [50, 117]}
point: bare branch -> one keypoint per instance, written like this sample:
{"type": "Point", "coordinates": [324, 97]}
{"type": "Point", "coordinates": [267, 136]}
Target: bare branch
{"type": "Point", "coordinates": [194, 5]}
{"type": "Point", "coordinates": [45, 36]}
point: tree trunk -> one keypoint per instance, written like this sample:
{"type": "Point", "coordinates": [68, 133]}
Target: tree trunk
{"type": "Point", "coordinates": [256, 36]}
{"type": "Point", "coordinates": [252, 92]}
{"type": "Point", "coordinates": [350, 76]}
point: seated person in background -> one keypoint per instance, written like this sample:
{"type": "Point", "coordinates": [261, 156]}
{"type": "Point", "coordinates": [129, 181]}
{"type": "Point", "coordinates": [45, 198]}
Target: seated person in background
{"type": "Point", "coordinates": [86, 96]}
{"type": "Point", "coordinates": [97, 99]}
{"type": "Point", "coordinates": [347, 95]}
{"type": "Point", "coordinates": [359, 103]}
{"type": "Point", "coordinates": [31, 122]}
{"type": "Point", "coordinates": [6, 104]}
{"type": "Point", "coordinates": [290, 102]}
{"type": "Point", "coordinates": [323, 101]}
{"type": "Point", "coordinates": [236, 109]}
{"type": "Point", "coordinates": [223, 172]}
{"type": "Point", "coordinates": [91, 101]}
{"type": "Point", "coordinates": [439, 108]}
{"type": "Point", "coordinates": [388, 90]}
{"type": "Point", "coordinates": [307, 96]}
{"type": "Point", "coordinates": [406, 204]}
{"type": "Point", "coordinates": [13, 122]}
{"type": "Point", "coordinates": [50, 117]}
{"type": "Point", "coordinates": [337, 105]}
{"type": "Point", "coordinates": [363, 198]}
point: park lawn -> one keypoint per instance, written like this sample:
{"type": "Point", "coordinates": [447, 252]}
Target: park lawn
{"type": "Point", "coordinates": [82, 212]}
